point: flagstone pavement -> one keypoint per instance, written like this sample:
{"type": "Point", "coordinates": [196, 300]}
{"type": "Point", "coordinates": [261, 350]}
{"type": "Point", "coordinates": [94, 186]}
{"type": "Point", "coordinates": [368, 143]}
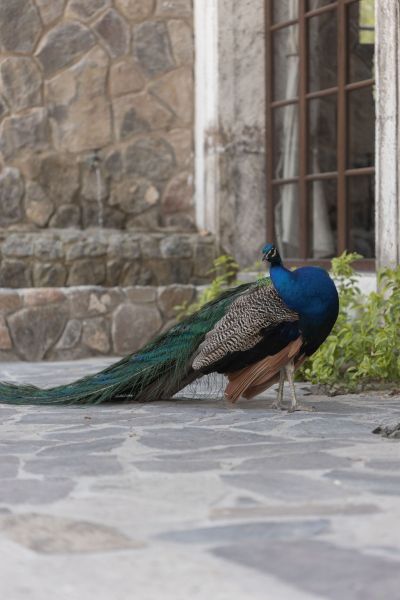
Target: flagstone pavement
{"type": "Point", "coordinates": [191, 499]}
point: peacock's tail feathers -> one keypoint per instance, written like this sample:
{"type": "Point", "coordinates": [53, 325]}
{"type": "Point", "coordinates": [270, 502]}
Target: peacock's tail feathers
{"type": "Point", "coordinates": [159, 370]}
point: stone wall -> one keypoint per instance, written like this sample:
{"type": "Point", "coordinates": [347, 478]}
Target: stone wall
{"type": "Point", "coordinates": [71, 323]}
{"type": "Point", "coordinates": [96, 113]}
{"type": "Point", "coordinates": [107, 257]}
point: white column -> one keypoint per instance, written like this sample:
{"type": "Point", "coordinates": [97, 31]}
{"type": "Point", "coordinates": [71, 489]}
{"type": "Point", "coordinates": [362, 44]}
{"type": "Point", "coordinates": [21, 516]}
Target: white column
{"type": "Point", "coordinates": [387, 63]}
{"type": "Point", "coordinates": [207, 117]}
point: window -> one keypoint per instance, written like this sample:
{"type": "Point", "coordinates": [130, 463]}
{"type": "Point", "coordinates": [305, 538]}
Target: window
{"type": "Point", "coordinates": [321, 128]}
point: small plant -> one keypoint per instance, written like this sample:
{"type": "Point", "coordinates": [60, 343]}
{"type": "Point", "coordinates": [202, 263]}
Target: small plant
{"type": "Point", "coordinates": [363, 348]}
{"type": "Point", "coordinates": [225, 270]}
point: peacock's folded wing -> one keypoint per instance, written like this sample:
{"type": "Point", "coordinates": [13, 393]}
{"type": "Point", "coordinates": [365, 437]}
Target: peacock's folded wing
{"type": "Point", "coordinates": [256, 324]}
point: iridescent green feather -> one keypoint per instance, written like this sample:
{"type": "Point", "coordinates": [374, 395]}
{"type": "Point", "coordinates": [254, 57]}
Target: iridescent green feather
{"type": "Point", "coordinates": [159, 370]}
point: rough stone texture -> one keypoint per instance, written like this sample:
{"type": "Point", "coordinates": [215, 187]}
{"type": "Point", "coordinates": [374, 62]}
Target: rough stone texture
{"type": "Point", "coordinates": [133, 328]}
{"type": "Point", "coordinates": [35, 330]}
{"type": "Point", "coordinates": [79, 108]}
{"type": "Point", "coordinates": [125, 77]}
{"type": "Point", "coordinates": [86, 9]}
{"type": "Point", "coordinates": [27, 132]}
{"type": "Point", "coordinates": [20, 82]}
{"type": "Point", "coordinates": [192, 487]}
{"type": "Point", "coordinates": [133, 9]}
{"type": "Point", "coordinates": [113, 33]}
{"type": "Point", "coordinates": [11, 192]}
{"type": "Point", "coordinates": [51, 323]}
{"type": "Point", "coordinates": [175, 90]}
{"type": "Point", "coordinates": [152, 47]}
{"type": "Point", "coordinates": [74, 95]}
{"type": "Point", "coordinates": [174, 8]}
{"type": "Point", "coordinates": [38, 207]}
{"type": "Point", "coordinates": [50, 10]}
{"type": "Point", "coordinates": [62, 45]}
{"type": "Point", "coordinates": [20, 26]}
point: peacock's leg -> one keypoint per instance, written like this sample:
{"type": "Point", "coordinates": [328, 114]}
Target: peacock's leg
{"type": "Point", "coordinates": [279, 397]}
{"type": "Point", "coordinates": [290, 369]}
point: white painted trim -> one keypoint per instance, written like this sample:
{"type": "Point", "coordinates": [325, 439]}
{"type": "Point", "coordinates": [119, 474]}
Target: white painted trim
{"type": "Point", "coordinates": [387, 64]}
{"type": "Point", "coordinates": [207, 117]}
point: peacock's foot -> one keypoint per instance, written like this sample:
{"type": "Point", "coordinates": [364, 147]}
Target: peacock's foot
{"type": "Point", "coordinates": [301, 407]}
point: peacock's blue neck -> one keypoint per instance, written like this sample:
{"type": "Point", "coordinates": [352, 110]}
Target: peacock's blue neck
{"type": "Point", "coordinates": [309, 291]}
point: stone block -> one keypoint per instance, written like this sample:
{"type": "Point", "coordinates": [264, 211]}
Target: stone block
{"type": "Point", "coordinates": [134, 326]}
{"type": "Point", "coordinates": [20, 26]}
{"type": "Point", "coordinates": [94, 184]}
{"type": "Point", "coordinates": [152, 48]}
{"type": "Point", "coordinates": [182, 42]}
{"type": "Point", "coordinates": [15, 274]}
{"type": "Point", "coordinates": [38, 207]}
{"type": "Point", "coordinates": [49, 275]}
{"type": "Point", "coordinates": [176, 246]}
{"type": "Point", "coordinates": [85, 10]}
{"type": "Point", "coordinates": [95, 334]}
{"type": "Point", "coordinates": [123, 247]}
{"type": "Point", "coordinates": [181, 140]}
{"type": "Point", "coordinates": [140, 295]}
{"type": "Point", "coordinates": [135, 10]}
{"type": "Point", "coordinates": [172, 296]}
{"type": "Point", "coordinates": [87, 272]}
{"type": "Point", "coordinates": [134, 195]}
{"type": "Point", "coordinates": [21, 82]}
{"type": "Point", "coordinates": [175, 90]}
{"type": "Point", "coordinates": [44, 296]}
{"type": "Point", "coordinates": [11, 193]}
{"type": "Point", "coordinates": [77, 98]}
{"type": "Point", "coordinates": [66, 216]}
{"type": "Point", "coordinates": [18, 245]}
{"type": "Point", "coordinates": [86, 248]}
{"type": "Point", "coordinates": [152, 158]}
{"type": "Point", "coordinates": [178, 195]}
{"type": "Point", "coordinates": [139, 113]}
{"type": "Point", "coordinates": [62, 45]}
{"type": "Point", "coordinates": [113, 33]}
{"type": "Point", "coordinates": [50, 10]}
{"type": "Point", "coordinates": [56, 173]}
{"type": "Point", "coordinates": [5, 340]}
{"type": "Point", "coordinates": [4, 110]}
{"type": "Point", "coordinates": [174, 8]}
{"type": "Point", "coordinates": [29, 131]}
{"type": "Point", "coordinates": [146, 221]}
{"type": "Point", "coordinates": [9, 301]}
{"type": "Point", "coordinates": [48, 248]}
{"type": "Point", "coordinates": [35, 330]}
{"type": "Point", "coordinates": [125, 77]}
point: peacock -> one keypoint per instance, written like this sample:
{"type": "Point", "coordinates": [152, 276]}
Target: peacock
{"type": "Point", "coordinates": [256, 334]}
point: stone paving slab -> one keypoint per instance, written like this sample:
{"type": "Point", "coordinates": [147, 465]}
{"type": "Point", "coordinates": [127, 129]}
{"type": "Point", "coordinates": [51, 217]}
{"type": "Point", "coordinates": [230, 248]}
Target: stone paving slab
{"type": "Point", "coordinates": [190, 499]}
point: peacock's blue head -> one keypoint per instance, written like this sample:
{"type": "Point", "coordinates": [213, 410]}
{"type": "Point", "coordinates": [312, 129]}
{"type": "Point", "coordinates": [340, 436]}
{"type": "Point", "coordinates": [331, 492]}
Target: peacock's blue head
{"type": "Point", "coordinates": [271, 254]}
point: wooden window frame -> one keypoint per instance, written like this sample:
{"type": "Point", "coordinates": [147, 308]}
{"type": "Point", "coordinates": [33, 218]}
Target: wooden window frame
{"type": "Point", "coordinates": [342, 90]}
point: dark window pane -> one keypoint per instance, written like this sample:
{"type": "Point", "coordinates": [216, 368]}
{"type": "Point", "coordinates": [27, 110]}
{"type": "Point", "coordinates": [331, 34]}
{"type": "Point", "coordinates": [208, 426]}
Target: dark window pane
{"type": "Point", "coordinates": [322, 121]}
{"type": "Point", "coordinates": [286, 63]}
{"type": "Point", "coordinates": [361, 128]}
{"type": "Point", "coordinates": [361, 40]}
{"type": "Point", "coordinates": [313, 4]}
{"type": "Point", "coordinates": [285, 10]}
{"type": "Point", "coordinates": [361, 215]}
{"type": "Point", "coordinates": [323, 218]}
{"type": "Point", "coordinates": [286, 142]}
{"type": "Point", "coordinates": [286, 203]}
{"type": "Point", "coordinates": [322, 47]}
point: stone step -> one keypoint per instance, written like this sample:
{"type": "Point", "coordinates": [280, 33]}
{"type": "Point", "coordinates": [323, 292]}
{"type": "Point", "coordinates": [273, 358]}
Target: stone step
{"type": "Point", "coordinates": [80, 322]}
{"type": "Point", "coordinates": [108, 257]}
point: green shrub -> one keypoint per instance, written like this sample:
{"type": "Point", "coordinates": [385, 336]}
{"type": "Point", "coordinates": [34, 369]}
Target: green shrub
{"type": "Point", "coordinates": [363, 348]}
